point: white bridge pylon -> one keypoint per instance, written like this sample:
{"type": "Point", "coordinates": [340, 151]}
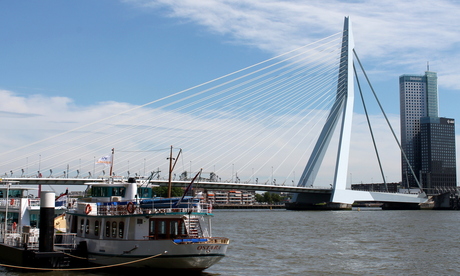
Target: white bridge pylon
{"type": "Point", "coordinates": [343, 108]}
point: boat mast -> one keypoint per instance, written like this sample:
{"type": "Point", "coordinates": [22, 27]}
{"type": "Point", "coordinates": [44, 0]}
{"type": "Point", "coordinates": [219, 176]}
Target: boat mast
{"type": "Point", "coordinates": [6, 210]}
{"type": "Point", "coordinates": [170, 172]}
{"type": "Point", "coordinates": [111, 162]}
{"type": "Point", "coordinates": [171, 168]}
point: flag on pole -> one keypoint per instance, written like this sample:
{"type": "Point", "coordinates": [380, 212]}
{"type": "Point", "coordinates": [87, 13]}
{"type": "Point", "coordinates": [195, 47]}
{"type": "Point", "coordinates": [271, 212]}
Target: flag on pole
{"type": "Point", "coordinates": [106, 160]}
{"type": "Point", "coordinates": [61, 200]}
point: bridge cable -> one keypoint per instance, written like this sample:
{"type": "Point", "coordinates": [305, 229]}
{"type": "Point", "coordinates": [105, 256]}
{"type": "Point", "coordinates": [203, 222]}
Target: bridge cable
{"type": "Point", "coordinates": [266, 108]}
{"type": "Point", "coordinates": [388, 122]}
{"type": "Point", "coordinates": [370, 128]}
{"type": "Point", "coordinates": [195, 94]}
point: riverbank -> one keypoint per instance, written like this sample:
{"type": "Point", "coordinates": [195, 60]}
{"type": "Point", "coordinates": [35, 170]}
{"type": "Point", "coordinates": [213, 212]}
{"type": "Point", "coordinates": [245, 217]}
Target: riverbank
{"type": "Point", "coordinates": [248, 206]}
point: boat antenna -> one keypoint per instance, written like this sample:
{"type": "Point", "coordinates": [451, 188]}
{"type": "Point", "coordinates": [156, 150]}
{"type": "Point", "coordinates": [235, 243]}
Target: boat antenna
{"type": "Point", "coordinates": [188, 187]}
{"type": "Point", "coordinates": [146, 182]}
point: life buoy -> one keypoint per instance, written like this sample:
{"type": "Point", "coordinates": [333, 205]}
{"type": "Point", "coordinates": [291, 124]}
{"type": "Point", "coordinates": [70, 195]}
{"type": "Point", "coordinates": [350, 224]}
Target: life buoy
{"type": "Point", "coordinates": [88, 209]}
{"type": "Point", "coordinates": [15, 225]}
{"type": "Point", "coordinates": [12, 201]}
{"type": "Point", "coordinates": [130, 207]}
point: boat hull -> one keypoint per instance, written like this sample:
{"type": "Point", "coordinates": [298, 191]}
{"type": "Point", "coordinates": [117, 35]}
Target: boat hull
{"type": "Point", "coordinates": [164, 254]}
{"type": "Point", "coordinates": [198, 262]}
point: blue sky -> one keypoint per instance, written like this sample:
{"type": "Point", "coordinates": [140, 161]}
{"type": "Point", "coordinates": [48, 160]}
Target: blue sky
{"type": "Point", "coordinates": [131, 51]}
{"type": "Point", "coordinates": [60, 58]}
{"type": "Point", "coordinates": [93, 51]}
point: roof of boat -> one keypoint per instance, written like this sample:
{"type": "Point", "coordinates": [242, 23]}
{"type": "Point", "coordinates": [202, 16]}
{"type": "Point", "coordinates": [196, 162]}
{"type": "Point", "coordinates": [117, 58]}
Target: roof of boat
{"type": "Point", "coordinates": [13, 187]}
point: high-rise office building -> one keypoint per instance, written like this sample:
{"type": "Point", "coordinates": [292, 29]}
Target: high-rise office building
{"type": "Point", "coordinates": [425, 162]}
{"type": "Point", "coordinates": [438, 162]}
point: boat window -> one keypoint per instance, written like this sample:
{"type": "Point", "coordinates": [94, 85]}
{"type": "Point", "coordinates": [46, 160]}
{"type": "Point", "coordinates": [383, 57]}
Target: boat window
{"type": "Point", "coordinates": [144, 192]}
{"type": "Point", "coordinates": [87, 227]}
{"type": "Point", "coordinates": [82, 225]}
{"type": "Point", "coordinates": [173, 228]}
{"type": "Point", "coordinates": [152, 229]}
{"type": "Point", "coordinates": [99, 192]}
{"type": "Point", "coordinates": [182, 229]}
{"type": "Point", "coordinates": [121, 227]}
{"type": "Point", "coordinates": [73, 223]}
{"type": "Point", "coordinates": [18, 193]}
{"type": "Point", "coordinates": [107, 191]}
{"type": "Point", "coordinates": [13, 193]}
{"type": "Point", "coordinates": [166, 228]}
{"type": "Point", "coordinates": [161, 229]}
{"type": "Point", "coordinates": [114, 229]}
{"type": "Point", "coordinates": [118, 191]}
{"type": "Point", "coordinates": [96, 228]}
{"type": "Point", "coordinates": [107, 229]}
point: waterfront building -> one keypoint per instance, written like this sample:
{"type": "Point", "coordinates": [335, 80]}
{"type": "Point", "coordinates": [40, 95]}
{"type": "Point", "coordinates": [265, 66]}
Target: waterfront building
{"type": "Point", "coordinates": [231, 197]}
{"type": "Point", "coordinates": [420, 122]}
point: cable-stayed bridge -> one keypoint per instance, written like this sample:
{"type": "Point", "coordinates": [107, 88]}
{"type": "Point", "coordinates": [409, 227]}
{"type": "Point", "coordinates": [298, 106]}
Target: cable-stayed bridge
{"type": "Point", "coordinates": [179, 183]}
{"type": "Point", "coordinates": [320, 194]}
{"type": "Point", "coordinates": [260, 124]}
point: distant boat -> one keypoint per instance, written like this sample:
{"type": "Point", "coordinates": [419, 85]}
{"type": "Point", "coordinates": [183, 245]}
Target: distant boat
{"type": "Point", "coordinates": [18, 208]}
{"type": "Point", "coordinates": [19, 232]}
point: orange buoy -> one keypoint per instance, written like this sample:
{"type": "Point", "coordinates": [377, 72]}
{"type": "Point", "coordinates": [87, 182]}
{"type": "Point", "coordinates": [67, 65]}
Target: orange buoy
{"type": "Point", "coordinates": [130, 207]}
{"type": "Point", "coordinates": [88, 209]}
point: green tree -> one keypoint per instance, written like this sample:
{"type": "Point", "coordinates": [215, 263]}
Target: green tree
{"type": "Point", "coordinates": [259, 198]}
{"type": "Point", "coordinates": [163, 191]}
{"type": "Point", "coordinates": [269, 198]}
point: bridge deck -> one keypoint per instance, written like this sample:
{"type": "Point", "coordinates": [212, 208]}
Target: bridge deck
{"type": "Point", "coordinates": [354, 195]}
{"type": "Point", "coordinates": [207, 185]}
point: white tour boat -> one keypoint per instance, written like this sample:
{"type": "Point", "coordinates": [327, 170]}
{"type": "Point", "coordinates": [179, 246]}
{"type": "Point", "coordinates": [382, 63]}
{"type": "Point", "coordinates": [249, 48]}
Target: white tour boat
{"type": "Point", "coordinates": [121, 224]}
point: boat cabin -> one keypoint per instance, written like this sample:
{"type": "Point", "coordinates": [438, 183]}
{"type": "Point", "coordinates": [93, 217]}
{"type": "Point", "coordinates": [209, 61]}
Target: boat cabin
{"type": "Point", "coordinates": [16, 205]}
{"type": "Point", "coordinates": [127, 211]}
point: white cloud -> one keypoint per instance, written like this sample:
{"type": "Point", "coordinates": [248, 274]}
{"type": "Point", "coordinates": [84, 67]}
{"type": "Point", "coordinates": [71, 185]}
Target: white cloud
{"type": "Point", "coordinates": [388, 34]}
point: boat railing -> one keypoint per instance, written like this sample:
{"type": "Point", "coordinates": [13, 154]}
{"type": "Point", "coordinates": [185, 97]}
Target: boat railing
{"type": "Point", "coordinates": [130, 208]}
{"type": "Point", "coordinates": [11, 203]}
{"type": "Point", "coordinates": [30, 240]}
{"type": "Point", "coordinates": [65, 240]}
{"type": "Point", "coordinates": [219, 240]}
{"type": "Point", "coordinates": [34, 202]}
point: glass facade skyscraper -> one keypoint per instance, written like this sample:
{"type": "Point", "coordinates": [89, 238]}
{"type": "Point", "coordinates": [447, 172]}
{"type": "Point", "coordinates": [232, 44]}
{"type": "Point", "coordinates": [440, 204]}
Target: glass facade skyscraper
{"type": "Point", "coordinates": [423, 132]}
{"type": "Point", "coordinates": [438, 162]}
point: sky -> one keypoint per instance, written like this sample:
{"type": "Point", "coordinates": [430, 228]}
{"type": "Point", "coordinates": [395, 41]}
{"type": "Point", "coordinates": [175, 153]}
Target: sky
{"type": "Point", "coordinates": [65, 61]}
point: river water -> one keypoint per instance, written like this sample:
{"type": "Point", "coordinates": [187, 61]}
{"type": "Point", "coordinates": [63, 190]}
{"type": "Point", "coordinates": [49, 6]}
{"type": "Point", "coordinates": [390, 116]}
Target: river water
{"type": "Point", "coordinates": [280, 242]}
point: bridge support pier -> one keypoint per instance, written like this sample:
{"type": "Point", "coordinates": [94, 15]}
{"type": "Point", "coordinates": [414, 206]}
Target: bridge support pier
{"type": "Point", "coordinates": [314, 202]}
{"type": "Point", "coordinates": [400, 206]}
